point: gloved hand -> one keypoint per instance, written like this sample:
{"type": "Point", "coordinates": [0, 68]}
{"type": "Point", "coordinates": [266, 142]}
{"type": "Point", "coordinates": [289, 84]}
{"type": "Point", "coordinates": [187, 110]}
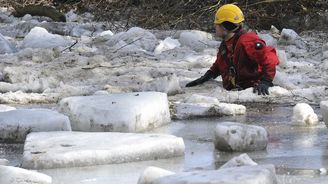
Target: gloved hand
{"type": "Point", "coordinates": [263, 87]}
{"type": "Point", "coordinates": [207, 76]}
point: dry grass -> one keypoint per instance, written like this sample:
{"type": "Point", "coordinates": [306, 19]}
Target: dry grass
{"type": "Point", "coordinates": [198, 14]}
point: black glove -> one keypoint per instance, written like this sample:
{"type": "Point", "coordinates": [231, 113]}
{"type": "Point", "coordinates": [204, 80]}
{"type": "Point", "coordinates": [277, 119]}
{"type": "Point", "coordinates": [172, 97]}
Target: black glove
{"type": "Point", "coordinates": [263, 87]}
{"type": "Point", "coordinates": [207, 76]}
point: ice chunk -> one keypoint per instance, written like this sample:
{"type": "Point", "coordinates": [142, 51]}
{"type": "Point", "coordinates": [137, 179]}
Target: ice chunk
{"type": "Point", "coordinates": [135, 36]}
{"type": "Point", "coordinates": [291, 37]}
{"type": "Point", "coordinates": [282, 58]}
{"type": "Point", "coordinates": [324, 111]}
{"type": "Point", "coordinates": [196, 98]}
{"type": "Point", "coordinates": [4, 162]}
{"type": "Point", "coordinates": [6, 46]}
{"type": "Point", "coordinates": [39, 37]}
{"type": "Point", "coordinates": [4, 108]}
{"type": "Point", "coordinates": [166, 44]}
{"type": "Point", "coordinates": [231, 136]}
{"type": "Point", "coordinates": [151, 173]}
{"type": "Point", "coordinates": [16, 124]}
{"type": "Point", "coordinates": [168, 84]}
{"type": "Point", "coordinates": [125, 112]}
{"type": "Point", "coordinates": [269, 40]}
{"type": "Point", "coordinates": [241, 160]}
{"type": "Point", "coordinates": [187, 110]}
{"type": "Point", "coordinates": [303, 114]}
{"type": "Point", "coordinates": [259, 174]}
{"type": "Point", "coordinates": [76, 149]}
{"type": "Point", "coordinates": [15, 175]}
{"type": "Point", "coordinates": [197, 40]}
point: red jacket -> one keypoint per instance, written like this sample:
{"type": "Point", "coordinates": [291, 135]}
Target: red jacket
{"type": "Point", "coordinates": [255, 61]}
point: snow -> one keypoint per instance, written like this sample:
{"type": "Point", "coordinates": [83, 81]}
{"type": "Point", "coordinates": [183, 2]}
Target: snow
{"type": "Point", "coordinates": [260, 174]}
{"type": "Point", "coordinates": [76, 149]}
{"type": "Point", "coordinates": [4, 162]}
{"type": "Point", "coordinates": [324, 111]}
{"type": "Point", "coordinates": [15, 175]}
{"type": "Point", "coordinates": [303, 114]}
{"type": "Point", "coordinates": [150, 174]}
{"type": "Point", "coordinates": [16, 124]}
{"type": "Point", "coordinates": [231, 136]}
{"type": "Point", "coordinates": [125, 112]}
{"type": "Point", "coordinates": [39, 37]}
{"type": "Point", "coordinates": [241, 160]}
{"type": "Point", "coordinates": [4, 108]}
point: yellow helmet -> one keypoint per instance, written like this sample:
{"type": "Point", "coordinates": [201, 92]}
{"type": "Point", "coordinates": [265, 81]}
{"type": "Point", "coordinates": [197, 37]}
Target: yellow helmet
{"type": "Point", "coordinates": [230, 13]}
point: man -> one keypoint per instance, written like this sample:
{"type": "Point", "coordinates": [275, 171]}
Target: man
{"type": "Point", "coordinates": [243, 59]}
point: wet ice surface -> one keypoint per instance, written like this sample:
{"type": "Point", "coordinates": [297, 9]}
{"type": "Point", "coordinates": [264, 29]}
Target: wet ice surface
{"type": "Point", "coordinates": [297, 152]}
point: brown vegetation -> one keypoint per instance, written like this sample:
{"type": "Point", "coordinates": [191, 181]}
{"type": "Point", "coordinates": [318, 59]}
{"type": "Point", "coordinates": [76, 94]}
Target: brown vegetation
{"type": "Point", "coordinates": [198, 14]}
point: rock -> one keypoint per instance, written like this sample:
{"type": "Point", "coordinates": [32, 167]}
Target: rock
{"type": "Point", "coordinates": [263, 174]}
{"type": "Point", "coordinates": [45, 150]}
{"type": "Point", "coordinates": [231, 136]}
{"type": "Point", "coordinates": [303, 114]}
{"type": "Point", "coordinates": [16, 124]}
{"type": "Point", "coordinates": [15, 175]}
{"type": "Point", "coordinates": [150, 174]}
{"type": "Point", "coordinates": [125, 112]}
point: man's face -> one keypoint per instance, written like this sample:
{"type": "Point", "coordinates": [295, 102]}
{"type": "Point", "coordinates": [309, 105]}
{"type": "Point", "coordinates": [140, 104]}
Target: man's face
{"type": "Point", "coordinates": [220, 31]}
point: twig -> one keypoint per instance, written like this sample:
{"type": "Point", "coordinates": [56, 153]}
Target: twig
{"type": "Point", "coordinates": [70, 47]}
{"type": "Point", "coordinates": [126, 45]}
{"type": "Point", "coordinates": [266, 1]}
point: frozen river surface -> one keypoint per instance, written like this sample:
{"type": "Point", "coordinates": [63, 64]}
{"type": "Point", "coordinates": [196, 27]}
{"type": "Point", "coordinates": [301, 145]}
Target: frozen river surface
{"type": "Point", "coordinates": [297, 152]}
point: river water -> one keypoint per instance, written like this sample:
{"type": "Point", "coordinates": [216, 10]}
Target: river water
{"type": "Point", "coordinates": [297, 152]}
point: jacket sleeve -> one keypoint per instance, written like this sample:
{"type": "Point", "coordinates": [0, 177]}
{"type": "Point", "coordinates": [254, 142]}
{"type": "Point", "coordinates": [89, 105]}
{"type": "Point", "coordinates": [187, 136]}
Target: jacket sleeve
{"type": "Point", "coordinates": [265, 56]}
{"type": "Point", "coordinates": [215, 66]}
